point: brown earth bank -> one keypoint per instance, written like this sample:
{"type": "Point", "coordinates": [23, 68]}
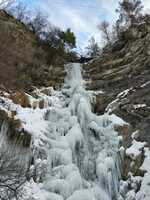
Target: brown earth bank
{"type": "Point", "coordinates": [24, 61]}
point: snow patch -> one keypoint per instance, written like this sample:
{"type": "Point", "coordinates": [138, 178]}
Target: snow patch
{"type": "Point", "coordinates": [135, 150]}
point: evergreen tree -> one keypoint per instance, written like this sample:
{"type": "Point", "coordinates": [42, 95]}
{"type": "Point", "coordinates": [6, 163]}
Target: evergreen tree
{"type": "Point", "coordinates": [68, 38]}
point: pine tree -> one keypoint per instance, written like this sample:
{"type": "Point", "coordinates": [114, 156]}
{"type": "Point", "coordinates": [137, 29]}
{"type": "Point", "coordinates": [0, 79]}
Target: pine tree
{"type": "Point", "coordinates": [68, 38]}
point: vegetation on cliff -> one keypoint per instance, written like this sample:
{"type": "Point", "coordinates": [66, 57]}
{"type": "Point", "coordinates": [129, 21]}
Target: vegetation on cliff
{"type": "Point", "coordinates": [36, 51]}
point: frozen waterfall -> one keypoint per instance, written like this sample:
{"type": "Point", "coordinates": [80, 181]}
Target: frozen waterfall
{"type": "Point", "coordinates": [82, 148]}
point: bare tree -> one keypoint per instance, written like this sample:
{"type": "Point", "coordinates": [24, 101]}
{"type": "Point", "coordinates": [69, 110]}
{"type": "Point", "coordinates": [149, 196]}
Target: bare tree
{"type": "Point", "coordinates": [129, 11]}
{"type": "Point", "coordinates": [6, 3]}
{"type": "Point", "coordinates": [13, 167]}
{"type": "Point", "coordinates": [19, 11]}
{"type": "Point", "coordinates": [104, 28]}
{"type": "Point", "coordinates": [93, 48]}
{"type": "Point", "coordinates": [38, 24]}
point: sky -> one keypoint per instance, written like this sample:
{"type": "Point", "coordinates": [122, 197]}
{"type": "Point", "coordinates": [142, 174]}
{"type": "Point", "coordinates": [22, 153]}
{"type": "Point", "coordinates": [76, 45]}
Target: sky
{"type": "Point", "coordinates": [82, 16]}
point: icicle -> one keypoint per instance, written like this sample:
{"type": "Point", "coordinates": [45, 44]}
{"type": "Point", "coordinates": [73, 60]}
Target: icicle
{"type": "Point", "coordinates": [83, 147]}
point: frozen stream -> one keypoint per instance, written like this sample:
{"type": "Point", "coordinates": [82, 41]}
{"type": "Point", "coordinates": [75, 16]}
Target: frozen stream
{"type": "Point", "coordinates": [74, 154]}
{"type": "Point", "coordinates": [82, 147]}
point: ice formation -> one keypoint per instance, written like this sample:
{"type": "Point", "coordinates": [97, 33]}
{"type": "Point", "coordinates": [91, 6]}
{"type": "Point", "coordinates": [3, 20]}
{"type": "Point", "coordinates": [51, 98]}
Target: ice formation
{"type": "Point", "coordinates": [82, 148]}
{"type": "Point", "coordinates": [75, 151]}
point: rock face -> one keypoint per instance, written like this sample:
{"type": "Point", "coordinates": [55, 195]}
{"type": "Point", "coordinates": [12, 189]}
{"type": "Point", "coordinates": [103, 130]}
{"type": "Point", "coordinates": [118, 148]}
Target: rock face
{"type": "Point", "coordinates": [123, 74]}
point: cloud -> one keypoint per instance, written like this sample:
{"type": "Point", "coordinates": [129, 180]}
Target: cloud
{"type": "Point", "coordinates": [82, 16]}
{"type": "Point", "coordinates": [5, 3]}
{"type": "Point", "coordinates": [146, 4]}
{"type": "Point", "coordinates": [79, 16]}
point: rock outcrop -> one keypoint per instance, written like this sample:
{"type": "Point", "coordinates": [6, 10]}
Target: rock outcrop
{"type": "Point", "coordinates": [123, 74]}
{"type": "Point", "coordinates": [120, 78]}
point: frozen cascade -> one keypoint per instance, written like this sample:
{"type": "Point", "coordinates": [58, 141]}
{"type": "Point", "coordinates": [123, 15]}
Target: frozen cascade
{"type": "Point", "coordinates": [82, 147]}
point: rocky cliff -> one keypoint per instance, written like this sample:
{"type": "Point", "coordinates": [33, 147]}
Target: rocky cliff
{"type": "Point", "coordinates": [120, 78]}
{"type": "Point", "coordinates": [122, 73]}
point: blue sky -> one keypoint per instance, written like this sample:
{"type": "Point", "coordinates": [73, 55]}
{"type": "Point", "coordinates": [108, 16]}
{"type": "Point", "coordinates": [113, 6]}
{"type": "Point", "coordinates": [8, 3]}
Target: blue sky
{"type": "Point", "coordinates": [82, 16]}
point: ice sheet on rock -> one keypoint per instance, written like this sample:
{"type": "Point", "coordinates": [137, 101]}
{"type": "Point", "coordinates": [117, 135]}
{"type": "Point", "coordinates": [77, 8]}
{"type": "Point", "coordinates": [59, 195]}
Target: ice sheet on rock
{"type": "Point", "coordinates": [82, 195]}
{"type": "Point", "coordinates": [65, 187]}
{"type": "Point", "coordinates": [82, 146]}
{"type": "Point", "coordinates": [74, 136]}
{"type": "Point", "coordinates": [60, 156]}
{"type": "Point", "coordinates": [116, 120]}
{"type": "Point", "coordinates": [34, 191]}
{"type": "Point", "coordinates": [144, 192]}
{"type": "Point", "coordinates": [65, 180]}
{"type": "Point", "coordinates": [94, 193]}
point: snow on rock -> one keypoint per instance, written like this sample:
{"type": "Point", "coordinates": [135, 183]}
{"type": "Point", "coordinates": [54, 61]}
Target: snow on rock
{"type": "Point", "coordinates": [112, 106]}
{"type": "Point", "coordinates": [137, 187]}
{"type": "Point", "coordinates": [135, 149]}
{"type": "Point", "coordinates": [124, 93]}
{"type": "Point", "coordinates": [116, 120]}
{"type": "Point", "coordinates": [121, 97]}
{"type": "Point", "coordinates": [145, 84]}
{"type": "Point", "coordinates": [135, 134]}
{"type": "Point", "coordinates": [28, 118]}
{"type": "Point", "coordinates": [137, 106]}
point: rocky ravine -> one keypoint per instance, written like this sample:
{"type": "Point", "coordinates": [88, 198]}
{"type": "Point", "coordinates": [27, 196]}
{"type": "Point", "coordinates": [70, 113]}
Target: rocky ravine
{"type": "Point", "coordinates": [69, 152]}
{"type": "Point", "coordinates": [120, 79]}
